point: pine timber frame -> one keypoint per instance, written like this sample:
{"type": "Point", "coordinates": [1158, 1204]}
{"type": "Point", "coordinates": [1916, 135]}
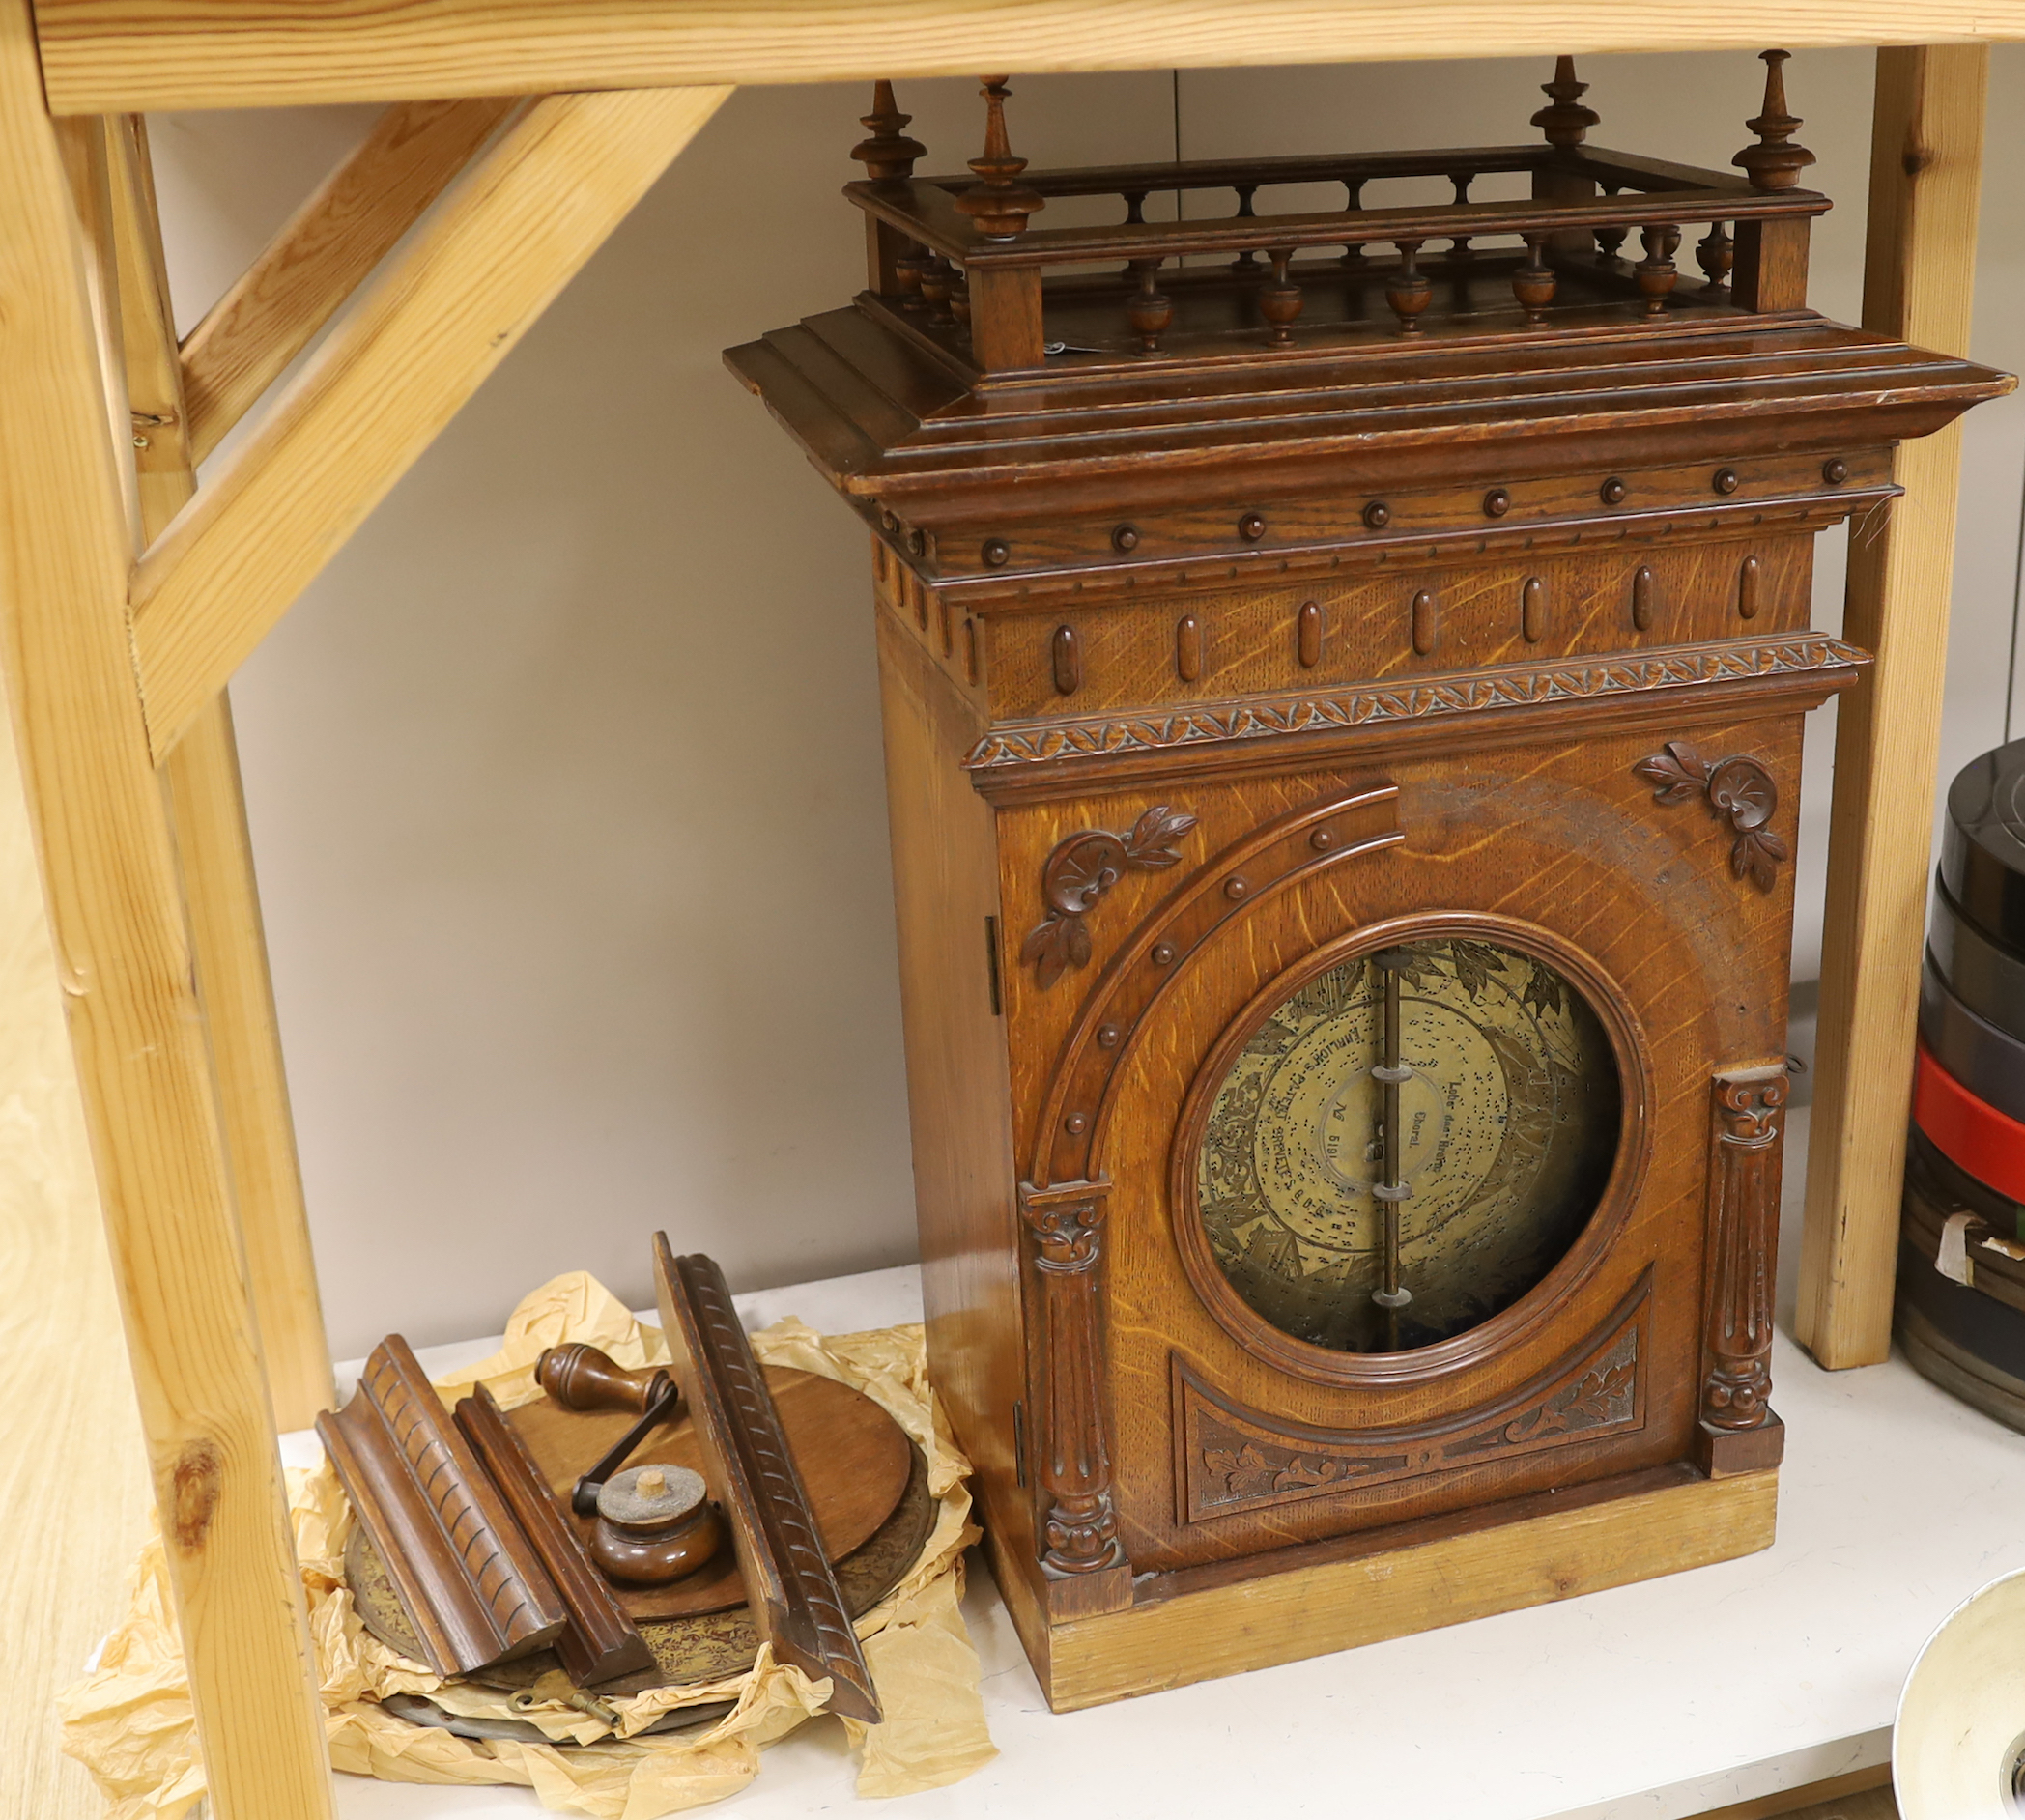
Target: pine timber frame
{"type": "Point", "coordinates": [129, 594]}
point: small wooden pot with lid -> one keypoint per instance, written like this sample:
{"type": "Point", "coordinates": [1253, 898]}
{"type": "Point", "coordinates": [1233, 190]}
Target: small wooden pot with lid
{"type": "Point", "coordinates": [655, 1524]}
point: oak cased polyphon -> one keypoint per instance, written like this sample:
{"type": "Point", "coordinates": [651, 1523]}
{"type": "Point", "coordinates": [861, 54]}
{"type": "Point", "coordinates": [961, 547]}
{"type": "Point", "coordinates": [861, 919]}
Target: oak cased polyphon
{"type": "Point", "coordinates": [1343, 680]}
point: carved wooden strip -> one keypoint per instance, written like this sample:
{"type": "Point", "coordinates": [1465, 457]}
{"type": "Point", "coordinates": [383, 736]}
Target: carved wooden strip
{"type": "Point", "coordinates": [1043, 742]}
{"type": "Point", "coordinates": [303, 275]}
{"type": "Point", "coordinates": [411, 348]}
{"type": "Point", "coordinates": [1746, 1143]}
{"type": "Point", "coordinates": [472, 1583]}
{"type": "Point", "coordinates": [600, 1642]}
{"type": "Point", "coordinates": [789, 1588]}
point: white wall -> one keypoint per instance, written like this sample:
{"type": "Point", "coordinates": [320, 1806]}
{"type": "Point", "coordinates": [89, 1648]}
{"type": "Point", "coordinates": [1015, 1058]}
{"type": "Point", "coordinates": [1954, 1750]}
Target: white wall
{"type": "Point", "coordinates": [566, 777]}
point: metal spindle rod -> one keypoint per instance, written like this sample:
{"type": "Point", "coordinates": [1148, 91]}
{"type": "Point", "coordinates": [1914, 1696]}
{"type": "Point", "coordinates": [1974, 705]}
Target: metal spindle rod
{"type": "Point", "coordinates": [1392, 1190]}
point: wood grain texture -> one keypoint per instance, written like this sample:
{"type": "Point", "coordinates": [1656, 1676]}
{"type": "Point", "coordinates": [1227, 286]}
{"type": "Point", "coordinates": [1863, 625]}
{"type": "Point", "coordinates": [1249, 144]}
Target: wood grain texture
{"type": "Point", "coordinates": [1549, 1548]}
{"type": "Point", "coordinates": [73, 1473]}
{"type": "Point", "coordinates": [137, 1029]}
{"type": "Point", "coordinates": [110, 55]}
{"type": "Point", "coordinates": [323, 252]}
{"type": "Point", "coordinates": [1925, 178]}
{"type": "Point", "coordinates": [213, 849]}
{"type": "Point", "coordinates": [414, 344]}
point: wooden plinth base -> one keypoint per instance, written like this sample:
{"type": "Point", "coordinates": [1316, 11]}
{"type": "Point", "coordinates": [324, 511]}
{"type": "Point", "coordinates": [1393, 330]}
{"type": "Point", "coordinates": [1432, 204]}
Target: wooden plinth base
{"type": "Point", "coordinates": [1198, 1625]}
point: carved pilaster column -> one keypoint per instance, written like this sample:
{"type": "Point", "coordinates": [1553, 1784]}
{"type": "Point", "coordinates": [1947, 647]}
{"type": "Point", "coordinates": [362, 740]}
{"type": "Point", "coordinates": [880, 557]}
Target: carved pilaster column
{"type": "Point", "coordinates": [1072, 1459]}
{"type": "Point", "coordinates": [1739, 1433]}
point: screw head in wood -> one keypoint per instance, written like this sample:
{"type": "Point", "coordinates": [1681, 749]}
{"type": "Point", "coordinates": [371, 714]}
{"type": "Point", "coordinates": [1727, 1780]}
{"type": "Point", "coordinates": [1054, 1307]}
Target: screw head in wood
{"type": "Point", "coordinates": [1497, 502]}
{"type": "Point", "coordinates": [1835, 471]}
{"type": "Point", "coordinates": [1124, 537]}
{"type": "Point", "coordinates": [1163, 954]}
{"type": "Point", "coordinates": [1076, 1124]}
{"type": "Point", "coordinates": [1378, 515]}
{"type": "Point", "coordinates": [1724, 481]}
{"type": "Point", "coordinates": [1322, 840]}
{"type": "Point", "coordinates": [1251, 527]}
{"type": "Point", "coordinates": [997, 553]}
{"type": "Point", "coordinates": [1234, 887]}
{"type": "Point", "coordinates": [1107, 1036]}
{"type": "Point", "coordinates": [1613, 491]}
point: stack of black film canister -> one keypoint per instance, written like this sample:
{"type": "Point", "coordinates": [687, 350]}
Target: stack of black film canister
{"type": "Point", "coordinates": [1962, 1260]}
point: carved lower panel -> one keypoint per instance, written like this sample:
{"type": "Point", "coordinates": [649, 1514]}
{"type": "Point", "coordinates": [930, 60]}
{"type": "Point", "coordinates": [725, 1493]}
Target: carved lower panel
{"type": "Point", "coordinates": [1234, 1458]}
{"type": "Point", "coordinates": [1073, 1458]}
{"type": "Point", "coordinates": [1746, 1149]}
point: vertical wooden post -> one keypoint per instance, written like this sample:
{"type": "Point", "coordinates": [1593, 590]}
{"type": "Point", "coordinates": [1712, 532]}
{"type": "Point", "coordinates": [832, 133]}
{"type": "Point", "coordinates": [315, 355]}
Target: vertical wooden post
{"type": "Point", "coordinates": [1926, 174]}
{"type": "Point", "coordinates": [213, 853]}
{"type": "Point", "coordinates": [136, 1027]}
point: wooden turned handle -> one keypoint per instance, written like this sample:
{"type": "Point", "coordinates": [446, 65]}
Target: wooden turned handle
{"type": "Point", "coordinates": [581, 1377]}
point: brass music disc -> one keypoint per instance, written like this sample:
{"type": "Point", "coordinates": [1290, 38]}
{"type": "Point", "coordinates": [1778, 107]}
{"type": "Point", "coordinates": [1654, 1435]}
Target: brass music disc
{"type": "Point", "coordinates": [1509, 1114]}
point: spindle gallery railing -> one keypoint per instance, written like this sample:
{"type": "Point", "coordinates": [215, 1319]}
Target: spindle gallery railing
{"type": "Point", "coordinates": [957, 261]}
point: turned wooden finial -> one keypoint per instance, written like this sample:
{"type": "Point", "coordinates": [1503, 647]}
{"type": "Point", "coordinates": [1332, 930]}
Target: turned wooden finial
{"type": "Point", "coordinates": [998, 205]}
{"type": "Point", "coordinates": [888, 154]}
{"type": "Point", "coordinates": [1567, 120]}
{"type": "Point", "coordinates": [1772, 163]}
{"type": "Point", "coordinates": [582, 1376]}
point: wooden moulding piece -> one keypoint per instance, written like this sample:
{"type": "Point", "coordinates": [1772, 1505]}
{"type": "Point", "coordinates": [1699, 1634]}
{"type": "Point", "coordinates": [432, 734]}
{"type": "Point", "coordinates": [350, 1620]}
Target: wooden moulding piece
{"type": "Point", "coordinates": [323, 252]}
{"type": "Point", "coordinates": [102, 56]}
{"type": "Point", "coordinates": [600, 1642]}
{"type": "Point", "coordinates": [789, 1589]}
{"type": "Point", "coordinates": [471, 1582]}
{"type": "Point", "coordinates": [1926, 177]}
{"type": "Point", "coordinates": [418, 339]}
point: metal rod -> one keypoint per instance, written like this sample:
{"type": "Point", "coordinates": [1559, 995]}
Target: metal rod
{"type": "Point", "coordinates": [1392, 1190]}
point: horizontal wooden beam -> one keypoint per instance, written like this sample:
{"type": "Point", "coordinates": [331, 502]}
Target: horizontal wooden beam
{"type": "Point", "coordinates": [322, 253]}
{"type": "Point", "coordinates": [101, 56]}
{"type": "Point", "coordinates": [414, 344]}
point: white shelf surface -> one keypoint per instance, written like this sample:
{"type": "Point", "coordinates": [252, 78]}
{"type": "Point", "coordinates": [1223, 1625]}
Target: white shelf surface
{"type": "Point", "coordinates": [1649, 1702]}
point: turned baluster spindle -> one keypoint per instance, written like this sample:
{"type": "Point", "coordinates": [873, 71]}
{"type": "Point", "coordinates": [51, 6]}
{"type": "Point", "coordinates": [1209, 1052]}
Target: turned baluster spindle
{"type": "Point", "coordinates": [1610, 239]}
{"type": "Point", "coordinates": [1134, 215]}
{"type": "Point", "coordinates": [1352, 200]}
{"type": "Point", "coordinates": [1535, 283]}
{"type": "Point", "coordinates": [1656, 274]}
{"type": "Point", "coordinates": [888, 155]}
{"type": "Point", "coordinates": [1279, 299]}
{"type": "Point", "coordinates": [1409, 291]}
{"type": "Point", "coordinates": [1716, 253]}
{"type": "Point", "coordinates": [1152, 309]}
{"type": "Point", "coordinates": [959, 295]}
{"type": "Point", "coordinates": [1566, 122]}
{"type": "Point", "coordinates": [1460, 247]}
{"type": "Point", "coordinates": [908, 272]}
{"type": "Point", "coordinates": [1773, 163]}
{"type": "Point", "coordinates": [998, 203]}
{"type": "Point", "coordinates": [1247, 260]}
{"type": "Point", "coordinates": [938, 279]}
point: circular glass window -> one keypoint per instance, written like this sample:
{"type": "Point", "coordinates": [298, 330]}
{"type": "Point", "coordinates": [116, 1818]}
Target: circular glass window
{"type": "Point", "coordinates": [1408, 1143]}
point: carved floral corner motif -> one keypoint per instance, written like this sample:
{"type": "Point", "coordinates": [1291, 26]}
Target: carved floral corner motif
{"type": "Point", "coordinates": [1080, 871]}
{"type": "Point", "coordinates": [1738, 790]}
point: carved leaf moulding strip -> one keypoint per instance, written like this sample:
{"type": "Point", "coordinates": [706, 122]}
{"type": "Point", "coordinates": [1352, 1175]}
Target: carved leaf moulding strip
{"type": "Point", "coordinates": [1238, 1458]}
{"type": "Point", "coordinates": [472, 1587]}
{"type": "Point", "coordinates": [1270, 717]}
{"type": "Point", "coordinates": [749, 1468]}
